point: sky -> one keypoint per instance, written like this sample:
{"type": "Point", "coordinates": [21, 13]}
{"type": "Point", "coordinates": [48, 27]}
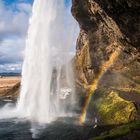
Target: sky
{"type": "Point", "coordinates": [14, 18]}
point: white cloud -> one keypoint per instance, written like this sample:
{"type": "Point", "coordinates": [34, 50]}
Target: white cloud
{"type": "Point", "coordinates": [11, 50]}
{"type": "Point", "coordinates": [24, 7]}
{"type": "Point", "coordinates": [10, 68]}
{"type": "Point", "coordinates": [13, 30]}
{"type": "Point", "coordinates": [14, 22]}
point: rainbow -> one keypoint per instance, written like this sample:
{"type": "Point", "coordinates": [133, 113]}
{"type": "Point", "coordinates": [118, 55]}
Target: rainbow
{"type": "Point", "coordinates": [94, 84]}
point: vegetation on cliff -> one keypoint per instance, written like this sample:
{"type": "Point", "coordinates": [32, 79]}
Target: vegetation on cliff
{"type": "Point", "coordinates": [120, 131]}
{"type": "Point", "coordinates": [104, 22]}
{"type": "Point", "coordinates": [112, 109]}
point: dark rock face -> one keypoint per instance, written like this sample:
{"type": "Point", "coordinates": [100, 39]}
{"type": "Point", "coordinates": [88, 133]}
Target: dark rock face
{"type": "Point", "coordinates": [126, 14]}
{"type": "Point", "coordinates": [106, 26]}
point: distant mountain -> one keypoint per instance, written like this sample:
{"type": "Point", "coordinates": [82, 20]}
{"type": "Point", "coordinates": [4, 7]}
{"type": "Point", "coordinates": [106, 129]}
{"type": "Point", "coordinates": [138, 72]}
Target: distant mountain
{"type": "Point", "coordinates": [10, 74]}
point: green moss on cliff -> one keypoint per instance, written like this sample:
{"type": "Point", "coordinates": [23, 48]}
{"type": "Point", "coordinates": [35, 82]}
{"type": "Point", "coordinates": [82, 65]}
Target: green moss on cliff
{"type": "Point", "coordinates": [112, 109]}
{"type": "Point", "coordinates": [119, 131]}
{"type": "Point", "coordinates": [81, 57]}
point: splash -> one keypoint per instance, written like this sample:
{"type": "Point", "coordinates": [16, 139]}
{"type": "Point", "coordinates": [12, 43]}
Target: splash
{"type": "Point", "coordinates": [94, 85]}
{"type": "Point", "coordinates": [46, 69]}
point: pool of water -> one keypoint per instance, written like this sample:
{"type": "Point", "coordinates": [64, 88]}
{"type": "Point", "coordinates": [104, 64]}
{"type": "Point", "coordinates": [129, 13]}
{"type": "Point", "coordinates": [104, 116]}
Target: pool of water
{"type": "Point", "coordinates": [66, 128]}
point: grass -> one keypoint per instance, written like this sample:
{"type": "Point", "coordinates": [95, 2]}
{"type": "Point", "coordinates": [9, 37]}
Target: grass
{"type": "Point", "coordinates": [7, 83]}
{"type": "Point", "coordinates": [119, 131]}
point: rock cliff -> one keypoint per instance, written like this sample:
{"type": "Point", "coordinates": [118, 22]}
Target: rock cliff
{"type": "Point", "coordinates": [107, 60]}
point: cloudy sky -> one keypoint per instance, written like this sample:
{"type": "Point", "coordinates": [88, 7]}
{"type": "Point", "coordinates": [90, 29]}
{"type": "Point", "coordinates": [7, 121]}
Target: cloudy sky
{"type": "Point", "coordinates": [14, 16]}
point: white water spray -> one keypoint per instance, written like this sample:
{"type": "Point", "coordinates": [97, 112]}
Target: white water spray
{"type": "Point", "coordinates": [46, 69]}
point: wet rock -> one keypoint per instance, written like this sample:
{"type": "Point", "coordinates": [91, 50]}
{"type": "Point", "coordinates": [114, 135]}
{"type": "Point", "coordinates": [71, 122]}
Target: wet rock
{"type": "Point", "coordinates": [112, 109]}
{"type": "Point", "coordinates": [106, 26]}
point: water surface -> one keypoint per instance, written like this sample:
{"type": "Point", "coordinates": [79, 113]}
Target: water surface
{"type": "Point", "coordinates": [66, 128]}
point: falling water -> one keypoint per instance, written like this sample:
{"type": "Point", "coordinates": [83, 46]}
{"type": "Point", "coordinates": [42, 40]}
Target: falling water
{"type": "Point", "coordinates": [47, 87]}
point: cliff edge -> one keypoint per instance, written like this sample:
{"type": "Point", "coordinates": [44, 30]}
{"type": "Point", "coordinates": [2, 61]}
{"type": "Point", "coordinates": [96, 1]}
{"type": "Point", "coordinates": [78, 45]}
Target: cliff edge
{"type": "Point", "coordinates": [107, 61]}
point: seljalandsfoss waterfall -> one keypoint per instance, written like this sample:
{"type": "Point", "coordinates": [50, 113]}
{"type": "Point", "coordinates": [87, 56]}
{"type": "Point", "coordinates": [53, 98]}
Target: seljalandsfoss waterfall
{"type": "Point", "coordinates": [47, 92]}
{"type": "Point", "coordinates": [47, 87]}
{"type": "Point", "coordinates": [80, 75]}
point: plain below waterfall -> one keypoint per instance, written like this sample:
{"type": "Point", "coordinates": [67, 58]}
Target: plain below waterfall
{"type": "Point", "coordinates": [47, 87]}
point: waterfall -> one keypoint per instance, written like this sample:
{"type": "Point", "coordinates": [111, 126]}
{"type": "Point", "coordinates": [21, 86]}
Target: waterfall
{"type": "Point", "coordinates": [47, 86]}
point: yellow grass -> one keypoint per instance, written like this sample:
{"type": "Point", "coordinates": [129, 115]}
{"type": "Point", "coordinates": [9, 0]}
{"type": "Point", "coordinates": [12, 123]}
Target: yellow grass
{"type": "Point", "coordinates": [7, 83]}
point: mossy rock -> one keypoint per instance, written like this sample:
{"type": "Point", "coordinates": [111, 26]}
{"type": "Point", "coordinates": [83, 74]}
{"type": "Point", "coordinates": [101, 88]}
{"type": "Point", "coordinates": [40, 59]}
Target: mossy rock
{"type": "Point", "coordinates": [119, 131]}
{"type": "Point", "coordinates": [112, 109]}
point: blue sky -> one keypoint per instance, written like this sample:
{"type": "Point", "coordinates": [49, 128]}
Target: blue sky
{"type": "Point", "coordinates": [14, 17]}
{"type": "Point", "coordinates": [8, 2]}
